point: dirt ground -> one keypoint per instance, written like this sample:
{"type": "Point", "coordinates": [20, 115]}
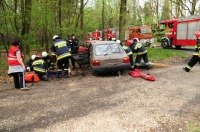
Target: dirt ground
{"type": "Point", "coordinates": [87, 103]}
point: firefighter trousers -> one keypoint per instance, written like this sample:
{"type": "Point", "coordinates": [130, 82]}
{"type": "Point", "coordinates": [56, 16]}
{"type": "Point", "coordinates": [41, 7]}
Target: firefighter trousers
{"type": "Point", "coordinates": [195, 58]}
{"type": "Point", "coordinates": [139, 58]}
{"type": "Point", "coordinates": [63, 65]}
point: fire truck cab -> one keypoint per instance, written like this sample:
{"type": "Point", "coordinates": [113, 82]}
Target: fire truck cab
{"type": "Point", "coordinates": [180, 32]}
{"type": "Point", "coordinates": [143, 33]}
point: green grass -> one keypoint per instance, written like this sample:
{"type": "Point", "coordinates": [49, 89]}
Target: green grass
{"type": "Point", "coordinates": [160, 54]}
{"type": "Point", "coordinates": [3, 67]}
{"type": "Point", "coordinates": [193, 128]}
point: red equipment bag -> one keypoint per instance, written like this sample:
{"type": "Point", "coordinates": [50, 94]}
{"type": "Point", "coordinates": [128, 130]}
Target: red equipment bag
{"type": "Point", "coordinates": [31, 77]}
{"type": "Point", "coordinates": [138, 73]}
{"type": "Point", "coordinates": [82, 49]}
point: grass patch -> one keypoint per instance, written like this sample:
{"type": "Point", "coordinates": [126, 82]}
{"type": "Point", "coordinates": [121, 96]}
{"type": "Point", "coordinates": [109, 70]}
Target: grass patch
{"type": "Point", "coordinates": [3, 67]}
{"type": "Point", "coordinates": [193, 128]}
{"type": "Point", "coordinates": [160, 54]}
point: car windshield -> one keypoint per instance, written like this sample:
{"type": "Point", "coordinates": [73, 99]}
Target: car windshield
{"type": "Point", "coordinates": [107, 49]}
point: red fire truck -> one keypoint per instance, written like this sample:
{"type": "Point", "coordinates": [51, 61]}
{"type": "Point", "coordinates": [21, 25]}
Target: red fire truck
{"type": "Point", "coordinates": [143, 33]}
{"type": "Point", "coordinates": [110, 34]}
{"type": "Point", "coordinates": [180, 32]}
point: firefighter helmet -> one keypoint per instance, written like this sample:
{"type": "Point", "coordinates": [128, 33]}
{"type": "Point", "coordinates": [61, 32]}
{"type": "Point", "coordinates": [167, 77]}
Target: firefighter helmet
{"type": "Point", "coordinates": [33, 57]}
{"type": "Point", "coordinates": [44, 54]}
{"type": "Point", "coordinates": [197, 34]}
{"type": "Point", "coordinates": [55, 36]}
{"type": "Point", "coordinates": [128, 42]}
{"type": "Point", "coordinates": [136, 40]}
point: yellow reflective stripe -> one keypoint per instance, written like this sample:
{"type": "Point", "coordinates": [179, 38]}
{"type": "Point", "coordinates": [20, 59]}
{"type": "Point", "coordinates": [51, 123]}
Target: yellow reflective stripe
{"type": "Point", "coordinates": [58, 43]}
{"type": "Point", "coordinates": [38, 69]}
{"type": "Point", "coordinates": [66, 69]}
{"type": "Point", "coordinates": [130, 53]}
{"type": "Point", "coordinates": [38, 62]}
{"type": "Point", "coordinates": [138, 45]}
{"type": "Point", "coordinates": [141, 53]}
{"type": "Point", "coordinates": [125, 47]}
{"type": "Point", "coordinates": [189, 67]}
{"type": "Point", "coordinates": [53, 53]}
{"type": "Point", "coordinates": [63, 56]}
{"type": "Point", "coordinates": [137, 64]}
{"type": "Point", "coordinates": [132, 66]}
{"type": "Point", "coordinates": [59, 70]}
{"type": "Point", "coordinates": [195, 53]}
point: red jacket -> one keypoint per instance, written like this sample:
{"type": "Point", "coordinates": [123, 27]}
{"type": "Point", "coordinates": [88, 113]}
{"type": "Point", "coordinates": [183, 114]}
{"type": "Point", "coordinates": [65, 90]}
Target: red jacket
{"type": "Point", "coordinates": [12, 57]}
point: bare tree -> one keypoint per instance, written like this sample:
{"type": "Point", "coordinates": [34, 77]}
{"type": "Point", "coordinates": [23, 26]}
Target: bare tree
{"type": "Point", "coordinates": [122, 20]}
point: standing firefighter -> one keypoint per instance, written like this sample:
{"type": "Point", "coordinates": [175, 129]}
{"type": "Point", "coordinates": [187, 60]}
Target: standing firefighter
{"type": "Point", "coordinates": [60, 48]}
{"type": "Point", "coordinates": [141, 51]}
{"type": "Point", "coordinates": [73, 42]}
{"type": "Point", "coordinates": [128, 52]}
{"type": "Point", "coordinates": [196, 56]}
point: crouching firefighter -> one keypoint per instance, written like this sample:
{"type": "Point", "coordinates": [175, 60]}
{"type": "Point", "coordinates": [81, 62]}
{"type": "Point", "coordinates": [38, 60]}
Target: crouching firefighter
{"type": "Point", "coordinates": [128, 52]}
{"type": "Point", "coordinates": [60, 48]}
{"type": "Point", "coordinates": [39, 67]}
{"type": "Point", "coordinates": [196, 56]}
{"type": "Point", "coordinates": [137, 47]}
{"type": "Point", "coordinates": [49, 60]}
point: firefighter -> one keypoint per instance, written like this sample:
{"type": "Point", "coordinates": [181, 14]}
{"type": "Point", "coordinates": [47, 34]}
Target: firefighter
{"type": "Point", "coordinates": [60, 48]}
{"type": "Point", "coordinates": [16, 65]}
{"type": "Point", "coordinates": [196, 56]}
{"type": "Point", "coordinates": [129, 53]}
{"type": "Point", "coordinates": [73, 43]}
{"type": "Point", "coordinates": [48, 60]}
{"type": "Point", "coordinates": [137, 47]}
{"type": "Point", "coordinates": [30, 62]}
{"type": "Point", "coordinates": [40, 67]}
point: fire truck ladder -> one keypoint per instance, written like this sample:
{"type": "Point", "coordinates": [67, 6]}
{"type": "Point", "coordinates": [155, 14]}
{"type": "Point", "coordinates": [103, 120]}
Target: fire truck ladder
{"type": "Point", "coordinates": [189, 17]}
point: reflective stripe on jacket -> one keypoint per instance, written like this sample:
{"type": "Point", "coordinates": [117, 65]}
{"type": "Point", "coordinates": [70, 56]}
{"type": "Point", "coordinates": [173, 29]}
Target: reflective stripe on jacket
{"type": "Point", "coordinates": [39, 65]}
{"type": "Point", "coordinates": [138, 48]}
{"type": "Point", "coordinates": [60, 48]}
{"type": "Point", "coordinates": [12, 57]}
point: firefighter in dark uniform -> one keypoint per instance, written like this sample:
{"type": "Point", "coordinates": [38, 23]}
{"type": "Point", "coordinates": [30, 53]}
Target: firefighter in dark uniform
{"type": "Point", "coordinates": [196, 56]}
{"type": "Point", "coordinates": [39, 67]}
{"type": "Point", "coordinates": [48, 60]}
{"type": "Point", "coordinates": [141, 51]}
{"type": "Point", "coordinates": [128, 52]}
{"type": "Point", "coordinates": [60, 48]}
{"type": "Point", "coordinates": [73, 42]}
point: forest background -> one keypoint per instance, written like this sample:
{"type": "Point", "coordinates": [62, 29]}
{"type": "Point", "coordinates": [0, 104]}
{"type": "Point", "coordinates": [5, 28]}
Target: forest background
{"type": "Point", "coordinates": [36, 21]}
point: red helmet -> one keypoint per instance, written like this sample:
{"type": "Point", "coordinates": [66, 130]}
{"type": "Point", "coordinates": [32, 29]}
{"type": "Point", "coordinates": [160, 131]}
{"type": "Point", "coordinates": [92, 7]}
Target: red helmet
{"type": "Point", "coordinates": [129, 42]}
{"type": "Point", "coordinates": [197, 34]}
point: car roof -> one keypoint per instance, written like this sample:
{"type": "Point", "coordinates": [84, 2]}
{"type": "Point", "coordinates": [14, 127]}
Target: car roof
{"type": "Point", "coordinates": [103, 42]}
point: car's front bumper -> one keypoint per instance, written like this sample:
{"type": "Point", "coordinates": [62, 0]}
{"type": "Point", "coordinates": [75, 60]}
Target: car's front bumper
{"type": "Point", "coordinates": [111, 68]}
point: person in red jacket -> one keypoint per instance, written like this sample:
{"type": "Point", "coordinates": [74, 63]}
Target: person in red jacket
{"type": "Point", "coordinates": [16, 65]}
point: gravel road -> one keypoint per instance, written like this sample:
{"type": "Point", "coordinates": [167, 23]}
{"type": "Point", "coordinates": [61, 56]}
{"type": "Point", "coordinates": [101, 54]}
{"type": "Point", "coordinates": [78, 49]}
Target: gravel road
{"type": "Point", "coordinates": [105, 103]}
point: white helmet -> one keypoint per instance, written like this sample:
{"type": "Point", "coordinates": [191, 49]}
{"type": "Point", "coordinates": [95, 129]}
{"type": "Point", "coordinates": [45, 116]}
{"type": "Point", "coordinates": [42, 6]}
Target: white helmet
{"type": "Point", "coordinates": [44, 54]}
{"type": "Point", "coordinates": [55, 36]}
{"type": "Point", "coordinates": [136, 40]}
{"type": "Point", "coordinates": [33, 57]}
{"type": "Point", "coordinates": [118, 41]}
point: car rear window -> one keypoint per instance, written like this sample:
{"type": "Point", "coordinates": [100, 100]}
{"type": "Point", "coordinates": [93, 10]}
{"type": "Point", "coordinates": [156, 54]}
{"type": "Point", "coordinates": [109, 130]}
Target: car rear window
{"type": "Point", "coordinates": [107, 49]}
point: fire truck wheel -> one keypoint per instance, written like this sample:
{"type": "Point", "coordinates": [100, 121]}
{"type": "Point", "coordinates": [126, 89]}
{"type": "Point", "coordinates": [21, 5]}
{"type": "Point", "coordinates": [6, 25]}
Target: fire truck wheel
{"type": "Point", "coordinates": [165, 44]}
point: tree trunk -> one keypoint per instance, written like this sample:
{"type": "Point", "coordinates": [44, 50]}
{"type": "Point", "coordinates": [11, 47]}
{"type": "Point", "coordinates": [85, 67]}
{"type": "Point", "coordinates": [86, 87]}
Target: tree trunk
{"type": "Point", "coordinates": [26, 16]}
{"type": "Point", "coordinates": [103, 18]}
{"type": "Point", "coordinates": [15, 18]}
{"type": "Point", "coordinates": [81, 19]}
{"type": "Point", "coordinates": [60, 17]}
{"type": "Point", "coordinates": [122, 20]}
